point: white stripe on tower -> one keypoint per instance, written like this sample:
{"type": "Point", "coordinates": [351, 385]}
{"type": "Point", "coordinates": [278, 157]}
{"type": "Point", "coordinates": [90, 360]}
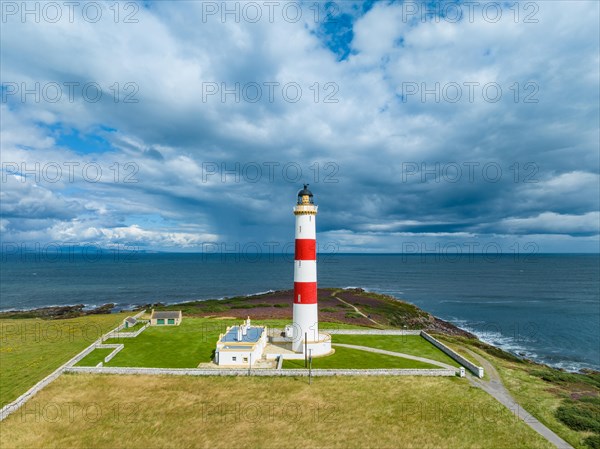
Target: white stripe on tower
{"type": "Point", "coordinates": [306, 320]}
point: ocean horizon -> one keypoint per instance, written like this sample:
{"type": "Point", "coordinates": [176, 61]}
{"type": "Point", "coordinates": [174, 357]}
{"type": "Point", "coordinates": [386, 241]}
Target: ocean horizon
{"type": "Point", "coordinates": [543, 306]}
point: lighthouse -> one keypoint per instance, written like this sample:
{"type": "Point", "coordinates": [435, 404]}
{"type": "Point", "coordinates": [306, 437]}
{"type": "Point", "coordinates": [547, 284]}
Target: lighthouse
{"type": "Point", "coordinates": [305, 313]}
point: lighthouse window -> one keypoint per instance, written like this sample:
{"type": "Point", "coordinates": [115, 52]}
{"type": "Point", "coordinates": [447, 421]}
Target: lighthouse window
{"type": "Point", "coordinates": [300, 229]}
{"type": "Point", "coordinates": [299, 300]}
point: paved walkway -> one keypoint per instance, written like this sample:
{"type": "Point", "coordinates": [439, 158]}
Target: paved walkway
{"type": "Point", "coordinates": [397, 354]}
{"type": "Point", "coordinates": [495, 388]}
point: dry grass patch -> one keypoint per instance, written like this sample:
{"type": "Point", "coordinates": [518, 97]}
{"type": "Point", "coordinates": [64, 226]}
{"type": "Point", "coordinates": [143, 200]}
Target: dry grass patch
{"type": "Point", "coordinates": [338, 412]}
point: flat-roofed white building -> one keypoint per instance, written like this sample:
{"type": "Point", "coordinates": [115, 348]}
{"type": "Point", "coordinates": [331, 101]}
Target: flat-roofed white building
{"type": "Point", "coordinates": [241, 345]}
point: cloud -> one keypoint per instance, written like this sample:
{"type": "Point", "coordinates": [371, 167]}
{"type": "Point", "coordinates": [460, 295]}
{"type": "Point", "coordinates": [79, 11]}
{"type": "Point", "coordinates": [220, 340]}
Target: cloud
{"type": "Point", "coordinates": [553, 223]}
{"type": "Point", "coordinates": [179, 166]}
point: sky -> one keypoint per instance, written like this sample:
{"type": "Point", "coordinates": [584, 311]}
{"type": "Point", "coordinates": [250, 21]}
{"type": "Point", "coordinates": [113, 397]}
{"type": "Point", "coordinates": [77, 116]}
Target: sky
{"type": "Point", "coordinates": [191, 126]}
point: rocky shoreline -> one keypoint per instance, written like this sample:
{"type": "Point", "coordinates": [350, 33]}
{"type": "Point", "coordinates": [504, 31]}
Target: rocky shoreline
{"type": "Point", "coordinates": [58, 312]}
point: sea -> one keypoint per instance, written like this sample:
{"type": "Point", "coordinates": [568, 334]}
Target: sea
{"type": "Point", "coordinates": [545, 307]}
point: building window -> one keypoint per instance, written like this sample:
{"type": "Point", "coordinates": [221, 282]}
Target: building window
{"type": "Point", "coordinates": [245, 359]}
{"type": "Point", "coordinates": [171, 321]}
{"type": "Point", "coordinates": [234, 359]}
{"type": "Point", "coordinates": [160, 321]}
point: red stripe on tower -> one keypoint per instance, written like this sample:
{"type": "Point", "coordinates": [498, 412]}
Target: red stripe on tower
{"type": "Point", "coordinates": [305, 292]}
{"type": "Point", "coordinates": [306, 249]}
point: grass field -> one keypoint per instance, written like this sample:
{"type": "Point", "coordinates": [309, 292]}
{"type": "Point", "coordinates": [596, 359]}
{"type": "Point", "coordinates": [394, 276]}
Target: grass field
{"type": "Point", "coordinates": [408, 344]}
{"type": "Point", "coordinates": [349, 412]}
{"type": "Point", "coordinates": [31, 349]}
{"type": "Point", "coordinates": [347, 358]}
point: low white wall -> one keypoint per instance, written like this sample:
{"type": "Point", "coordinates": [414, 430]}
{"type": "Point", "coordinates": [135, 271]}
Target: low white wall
{"type": "Point", "coordinates": [139, 314]}
{"type": "Point", "coordinates": [118, 334]}
{"type": "Point", "coordinates": [477, 370]}
{"type": "Point", "coordinates": [263, 372]}
{"type": "Point", "coordinates": [117, 349]}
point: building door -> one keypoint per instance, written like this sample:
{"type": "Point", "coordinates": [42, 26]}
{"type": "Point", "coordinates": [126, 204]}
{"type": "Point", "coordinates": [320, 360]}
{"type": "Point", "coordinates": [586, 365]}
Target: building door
{"type": "Point", "coordinates": [160, 321]}
{"type": "Point", "coordinates": [171, 321]}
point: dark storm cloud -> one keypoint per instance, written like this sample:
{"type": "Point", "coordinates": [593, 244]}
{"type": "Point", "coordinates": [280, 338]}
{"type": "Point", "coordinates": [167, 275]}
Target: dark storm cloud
{"type": "Point", "coordinates": [385, 162]}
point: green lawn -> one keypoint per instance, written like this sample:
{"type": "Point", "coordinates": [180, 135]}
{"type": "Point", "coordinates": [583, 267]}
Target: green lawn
{"type": "Point", "coordinates": [193, 342]}
{"type": "Point", "coordinates": [30, 349]}
{"type": "Point", "coordinates": [183, 346]}
{"type": "Point", "coordinates": [409, 344]}
{"type": "Point", "coordinates": [95, 357]}
{"type": "Point", "coordinates": [346, 358]}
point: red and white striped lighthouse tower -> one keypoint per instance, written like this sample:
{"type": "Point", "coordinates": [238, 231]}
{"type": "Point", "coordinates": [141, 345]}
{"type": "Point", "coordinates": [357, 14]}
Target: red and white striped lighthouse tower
{"type": "Point", "coordinates": [306, 318]}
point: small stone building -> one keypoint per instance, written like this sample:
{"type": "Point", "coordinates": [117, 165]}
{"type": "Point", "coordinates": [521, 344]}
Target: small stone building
{"type": "Point", "coordinates": [129, 322]}
{"type": "Point", "coordinates": [165, 318]}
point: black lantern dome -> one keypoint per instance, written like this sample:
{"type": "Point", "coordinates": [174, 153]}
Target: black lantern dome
{"type": "Point", "coordinates": [305, 196]}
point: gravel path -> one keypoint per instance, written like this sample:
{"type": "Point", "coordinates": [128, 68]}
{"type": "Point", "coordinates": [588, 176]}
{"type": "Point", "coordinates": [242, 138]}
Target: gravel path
{"type": "Point", "coordinates": [496, 388]}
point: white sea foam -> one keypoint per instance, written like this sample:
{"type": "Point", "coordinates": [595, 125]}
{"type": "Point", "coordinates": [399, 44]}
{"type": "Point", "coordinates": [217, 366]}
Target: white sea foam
{"type": "Point", "coordinates": [511, 345]}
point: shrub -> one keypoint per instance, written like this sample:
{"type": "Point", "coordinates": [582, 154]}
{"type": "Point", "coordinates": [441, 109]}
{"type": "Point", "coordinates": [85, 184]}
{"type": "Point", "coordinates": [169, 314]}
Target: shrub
{"type": "Point", "coordinates": [215, 308]}
{"type": "Point", "coordinates": [581, 415]}
{"type": "Point", "coordinates": [353, 315]}
{"type": "Point", "coordinates": [281, 305]}
{"type": "Point", "coordinates": [329, 309]}
{"type": "Point", "coordinates": [593, 441]}
{"type": "Point", "coordinates": [556, 376]}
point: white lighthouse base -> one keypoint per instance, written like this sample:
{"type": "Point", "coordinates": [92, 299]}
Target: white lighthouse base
{"type": "Point", "coordinates": [320, 347]}
{"type": "Point", "coordinates": [282, 346]}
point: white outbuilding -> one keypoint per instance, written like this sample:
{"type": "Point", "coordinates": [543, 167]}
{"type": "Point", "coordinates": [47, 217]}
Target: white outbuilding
{"type": "Point", "coordinates": [241, 345]}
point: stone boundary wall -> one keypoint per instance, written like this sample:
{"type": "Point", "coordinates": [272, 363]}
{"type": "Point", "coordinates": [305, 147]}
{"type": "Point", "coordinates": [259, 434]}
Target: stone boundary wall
{"type": "Point", "coordinates": [262, 372]}
{"type": "Point", "coordinates": [117, 349]}
{"type": "Point", "coordinates": [477, 370]}
{"type": "Point", "coordinates": [115, 333]}
{"type": "Point", "coordinates": [370, 331]}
